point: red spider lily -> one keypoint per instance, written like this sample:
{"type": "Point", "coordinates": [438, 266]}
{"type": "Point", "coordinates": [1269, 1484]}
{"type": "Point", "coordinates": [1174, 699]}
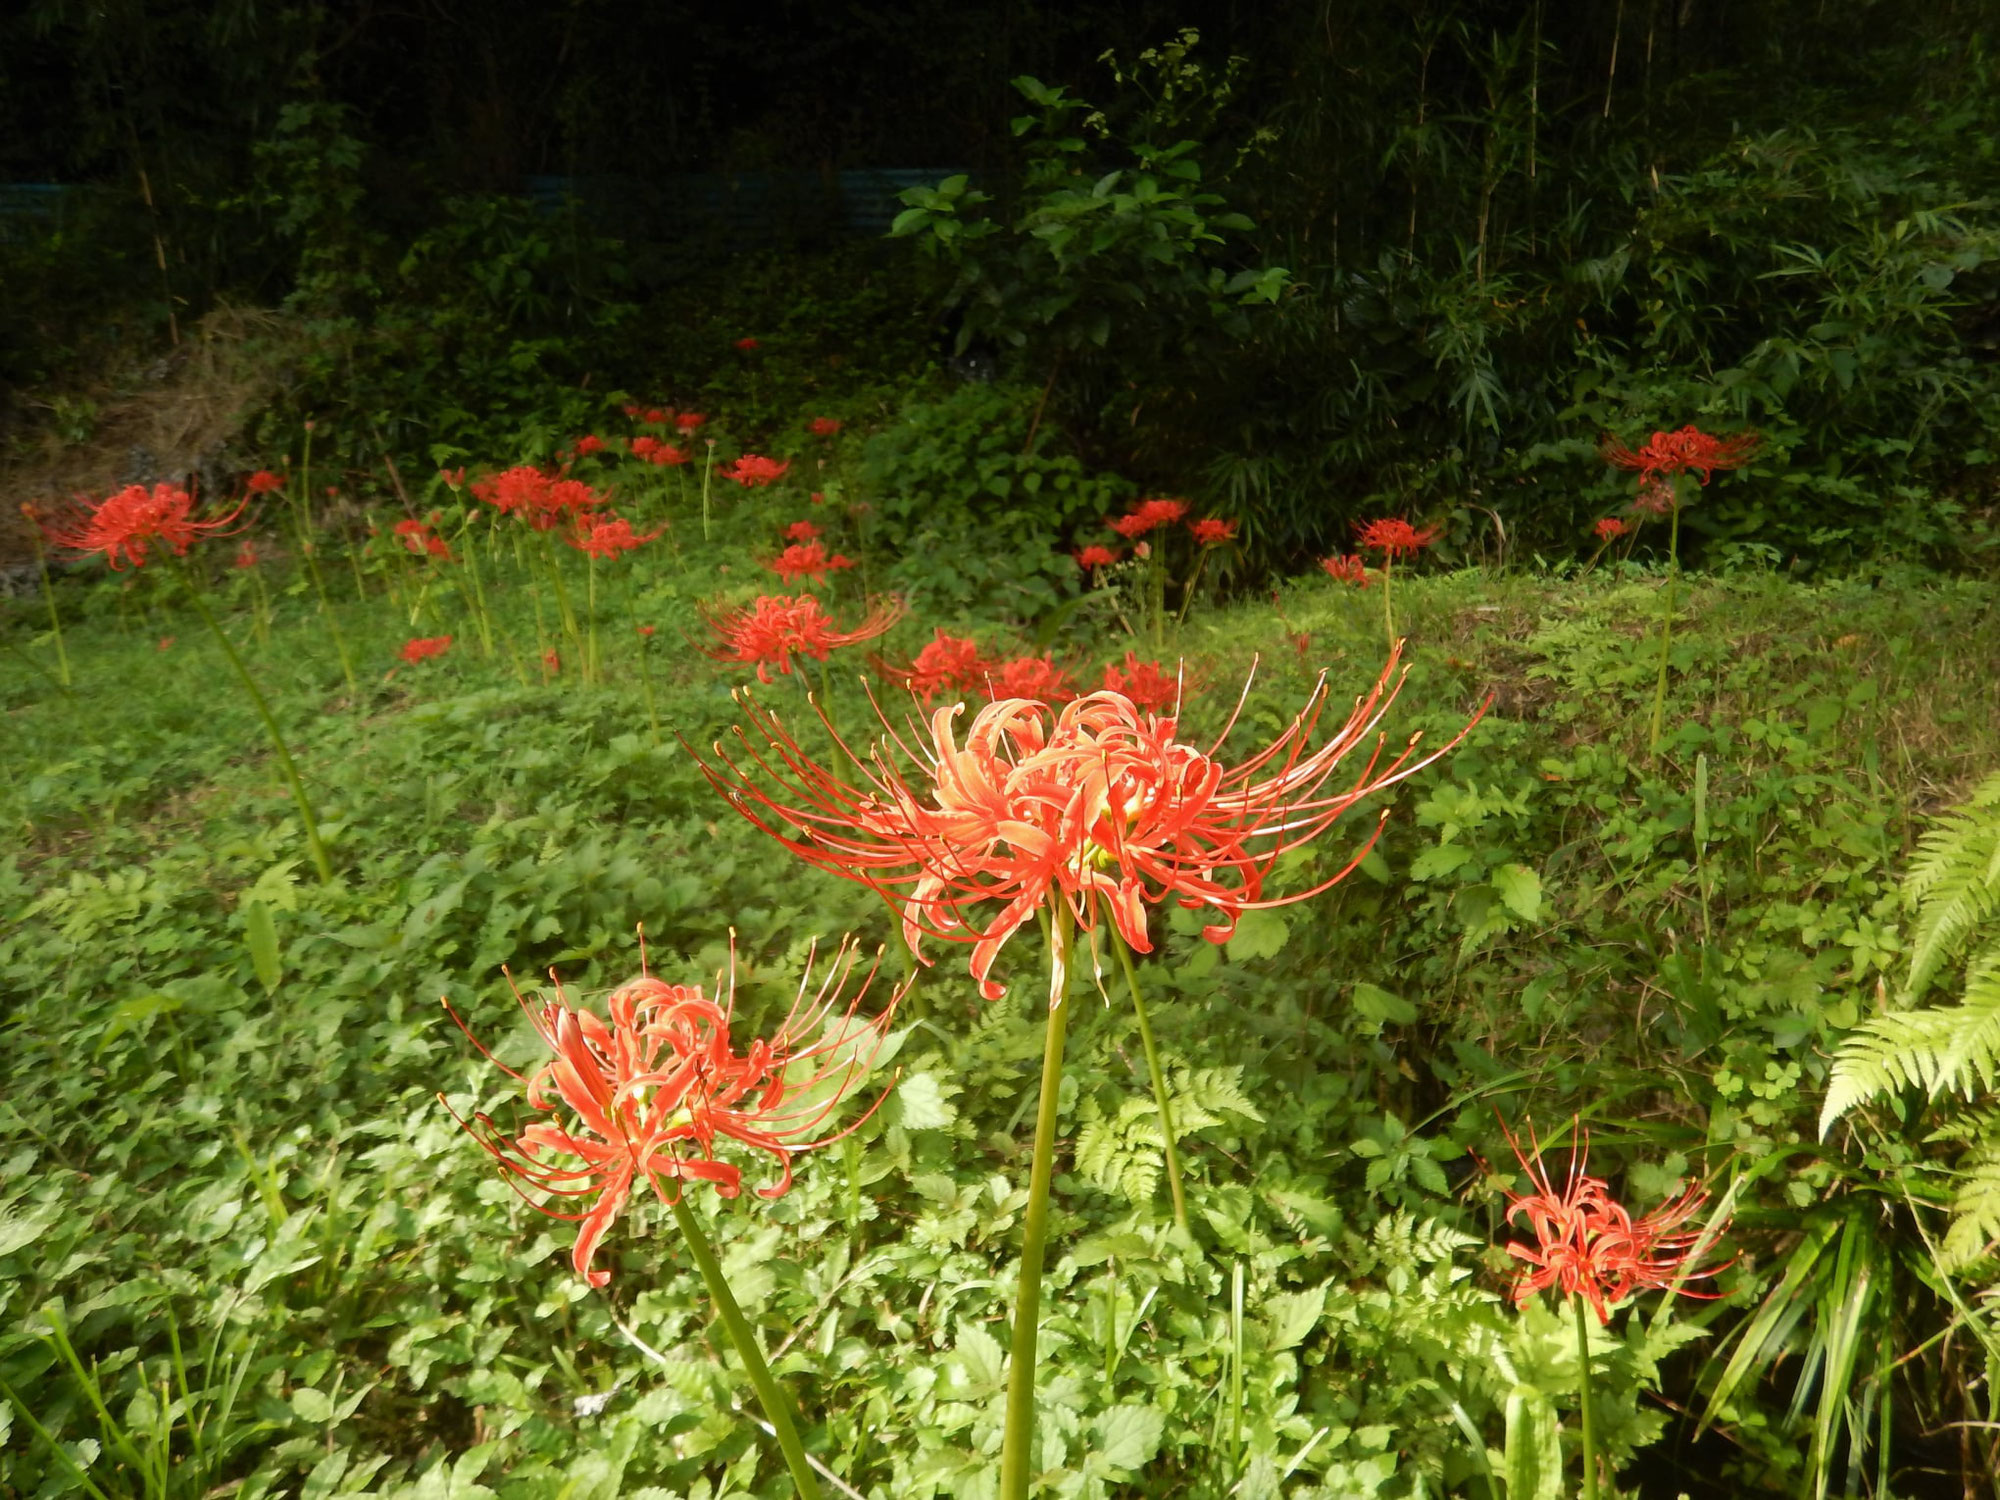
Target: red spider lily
{"type": "Point", "coordinates": [649, 1089]}
{"type": "Point", "coordinates": [1610, 529]}
{"type": "Point", "coordinates": [1395, 538]}
{"type": "Point", "coordinates": [806, 560]}
{"type": "Point", "coordinates": [801, 531]}
{"type": "Point", "coordinates": [263, 482]}
{"type": "Point", "coordinates": [545, 500]}
{"type": "Point", "coordinates": [246, 557]}
{"type": "Point", "coordinates": [1096, 803]}
{"type": "Point", "coordinates": [1211, 532]}
{"type": "Point", "coordinates": [1588, 1245]}
{"type": "Point", "coordinates": [425, 647]}
{"type": "Point", "coordinates": [631, 409]}
{"type": "Point", "coordinates": [752, 470]}
{"type": "Point", "coordinates": [1148, 515]}
{"type": "Point", "coordinates": [1145, 683]}
{"type": "Point", "coordinates": [134, 519]}
{"type": "Point", "coordinates": [655, 417]}
{"type": "Point", "coordinates": [1347, 569]}
{"type": "Point", "coordinates": [666, 455]}
{"type": "Point", "coordinates": [747, 344]}
{"type": "Point", "coordinates": [776, 628]}
{"type": "Point", "coordinates": [818, 498]}
{"type": "Point", "coordinates": [646, 631]}
{"type": "Point", "coordinates": [418, 538]}
{"type": "Point", "coordinates": [1035, 677]}
{"type": "Point", "coordinates": [166, 643]}
{"type": "Point", "coordinates": [1656, 497]}
{"type": "Point", "coordinates": [608, 537]}
{"type": "Point", "coordinates": [1689, 451]}
{"type": "Point", "coordinates": [552, 660]}
{"type": "Point", "coordinates": [1097, 556]}
{"type": "Point", "coordinates": [688, 421]}
{"type": "Point", "coordinates": [585, 446]}
{"type": "Point", "coordinates": [824, 426]}
{"type": "Point", "coordinates": [454, 479]}
{"type": "Point", "coordinates": [947, 664]}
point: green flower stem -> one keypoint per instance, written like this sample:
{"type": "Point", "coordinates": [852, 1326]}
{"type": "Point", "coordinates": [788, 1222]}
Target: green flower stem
{"type": "Point", "coordinates": [481, 615]}
{"type": "Point", "coordinates": [49, 595]}
{"type": "Point", "coordinates": [1583, 1401]}
{"type": "Point", "coordinates": [646, 682]}
{"type": "Point", "coordinates": [777, 1407]}
{"type": "Point", "coordinates": [1017, 1451]}
{"type": "Point", "coordinates": [1187, 594]}
{"type": "Point", "coordinates": [562, 596]}
{"type": "Point", "coordinates": [1388, 616]}
{"type": "Point", "coordinates": [285, 763]}
{"type": "Point", "coordinates": [707, 468]}
{"type": "Point", "coordinates": [1666, 623]}
{"type": "Point", "coordinates": [1160, 1095]}
{"type": "Point", "coordinates": [590, 613]}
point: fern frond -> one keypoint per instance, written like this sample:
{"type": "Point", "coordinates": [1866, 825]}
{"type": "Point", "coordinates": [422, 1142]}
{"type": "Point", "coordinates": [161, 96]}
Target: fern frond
{"type": "Point", "coordinates": [1940, 1049]}
{"type": "Point", "coordinates": [1955, 879]}
{"type": "Point", "coordinates": [1974, 1232]}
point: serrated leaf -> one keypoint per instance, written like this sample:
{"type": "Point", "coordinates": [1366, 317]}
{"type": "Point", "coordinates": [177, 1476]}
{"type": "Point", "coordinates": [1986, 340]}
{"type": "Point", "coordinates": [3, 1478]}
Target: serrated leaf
{"type": "Point", "coordinates": [981, 1355]}
{"type": "Point", "coordinates": [921, 1104]}
{"type": "Point", "coordinates": [1128, 1436]}
{"type": "Point", "coordinates": [1259, 934]}
{"type": "Point", "coordinates": [1520, 891]}
{"type": "Point", "coordinates": [1290, 1316]}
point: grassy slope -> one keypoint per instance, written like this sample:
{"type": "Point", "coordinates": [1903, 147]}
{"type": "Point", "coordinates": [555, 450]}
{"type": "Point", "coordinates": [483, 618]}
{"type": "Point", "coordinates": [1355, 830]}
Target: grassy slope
{"type": "Point", "coordinates": [173, 1139]}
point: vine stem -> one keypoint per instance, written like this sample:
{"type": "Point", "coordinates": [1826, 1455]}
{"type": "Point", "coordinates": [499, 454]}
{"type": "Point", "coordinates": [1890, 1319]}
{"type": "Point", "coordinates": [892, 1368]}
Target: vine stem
{"type": "Point", "coordinates": [770, 1395]}
{"type": "Point", "coordinates": [1160, 1095]}
{"type": "Point", "coordinates": [1018, 1445]}
{"type": "Point", "coordinates": [1666, 624]}
{"type": "Point", "coordinates": [285, 762]}
{"type": "Point", "coordinates": [1583, 1401]}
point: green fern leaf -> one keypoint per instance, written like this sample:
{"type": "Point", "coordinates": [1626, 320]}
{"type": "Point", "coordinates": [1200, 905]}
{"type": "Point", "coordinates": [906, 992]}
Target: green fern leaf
{"type": "Point", "coordinates": [1954, 1048]}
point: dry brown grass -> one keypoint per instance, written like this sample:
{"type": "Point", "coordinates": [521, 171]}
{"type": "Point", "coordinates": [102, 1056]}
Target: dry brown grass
{"type": "Point", "coordinates": [177, 417]}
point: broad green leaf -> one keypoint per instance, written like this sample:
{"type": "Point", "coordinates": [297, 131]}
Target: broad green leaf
{"type": "Point", "coordinates": [1379, 1008]}
{"type": "Point", "coordinates": [18, 1231]}
{"type": "Point", "coordinates": [1290, 1316]}
{"type": "Point", "coordinates": [1520, 891]}
{"type": "Point", "coordinates": [1128, 1436]}
{"type": "Point", "coordinates": [1259, 934]}
{"type": "Point", "coordinates": [260, 931]}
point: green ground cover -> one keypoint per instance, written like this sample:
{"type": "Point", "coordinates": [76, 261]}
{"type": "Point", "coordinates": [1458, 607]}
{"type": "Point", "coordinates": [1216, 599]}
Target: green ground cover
{"type": "Point", "coordinates": [245, 1248]}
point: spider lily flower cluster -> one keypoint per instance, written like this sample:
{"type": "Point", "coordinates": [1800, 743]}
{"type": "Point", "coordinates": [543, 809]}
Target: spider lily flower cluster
{"type": "Point", "coordinates": [646, 1092]}
{"type": "Point", "coordinates": [1097, 804]}
{"type": "Point", "coordinates": [1588, 1245]}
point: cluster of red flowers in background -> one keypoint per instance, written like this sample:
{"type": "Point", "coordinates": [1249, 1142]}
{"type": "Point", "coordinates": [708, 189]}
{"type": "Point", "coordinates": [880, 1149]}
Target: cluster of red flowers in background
{"type": "Point", "coordinates": [544, 500]}
{"type": "Point", "coordinates": [607, 537]}
{"type": "Point", "coordinates": [654, 451]}
{"type": "Point", "coordinates": [807, 560]}
{"type": "Point", "coordinates": [776, 628]}
{"type": "Point", "coordinates": [1346, 568]}
{"type": "Point", "coordinates": [425, 647]}
{"type": "Point", "coordinates": [418, 538]}
{"type": "Point", "coordinates": [753, 471]}
{"type": "Point", "coordinates": [128, 524]}
{"type": "Point", "coordinates": [824, 426]}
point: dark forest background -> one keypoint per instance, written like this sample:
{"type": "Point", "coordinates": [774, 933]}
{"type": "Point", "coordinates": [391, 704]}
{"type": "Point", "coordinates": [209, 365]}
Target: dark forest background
{"type": "Point", "coordinates": [1302, 259]}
